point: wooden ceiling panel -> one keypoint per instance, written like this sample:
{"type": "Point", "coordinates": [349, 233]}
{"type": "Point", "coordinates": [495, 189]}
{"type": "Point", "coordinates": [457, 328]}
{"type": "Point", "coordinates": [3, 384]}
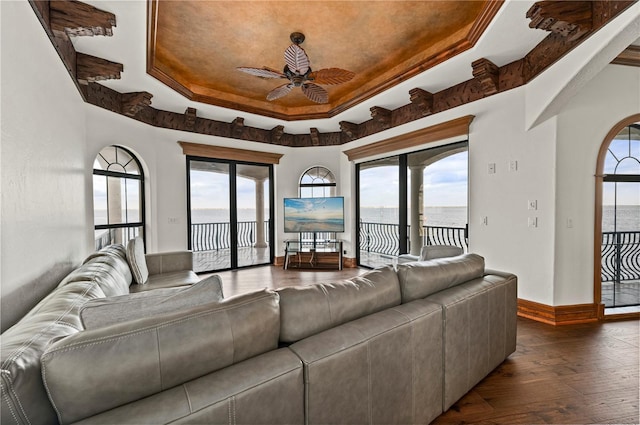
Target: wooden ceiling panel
{"type": "Point", "coordinates": [196, 46]}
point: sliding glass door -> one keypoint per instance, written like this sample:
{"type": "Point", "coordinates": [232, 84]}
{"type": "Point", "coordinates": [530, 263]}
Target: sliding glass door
{"type": "Point", "coordinates": [229, 214]}
{"type": "Point", "coordinates": [380, 230]}
{"type": "Point", "coordinates": [252, 196]}
{"type": "Point", "coordinates": [407, 201]}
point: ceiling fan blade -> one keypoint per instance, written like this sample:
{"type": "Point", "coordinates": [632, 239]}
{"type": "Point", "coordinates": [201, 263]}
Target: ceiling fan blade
{"type": "Point", "coordinates": [262, 72]}
{"type": "Point", "coordinates": [296, 59]}
{"type": "Point", "coordinates": [315, 93]}
{"type": "Point", "coordinates": [278, 92]}
{"type": "Point", "coordinates": [330, 76]}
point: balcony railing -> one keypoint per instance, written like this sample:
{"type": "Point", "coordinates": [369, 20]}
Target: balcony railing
{"type": "Point", "coordinates": [382, 238]}
{"type": "Point", "coordinates": [216, 236]}
{"type": "Point", "coordinates": [620, 256]}
{"type": "Point", "coordinates": [119, 235]}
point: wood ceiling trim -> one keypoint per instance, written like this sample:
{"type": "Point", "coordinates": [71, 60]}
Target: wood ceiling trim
{"type": "Point", "coordinates": [481, 23]}
{"type": "Point", "coordinates": [386, 80]}
{"type": "Point", "coordinates": [222, 152]}
{"type": "Point", "coordinates": [136, 105]}
{"type": "Point", "coordinates": [629, 56]}
{"type": "Point", "coordinates": [445, 130]}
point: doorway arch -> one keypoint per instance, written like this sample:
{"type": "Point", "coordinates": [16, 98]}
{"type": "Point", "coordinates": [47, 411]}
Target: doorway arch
{"type": "Point", "coordinates": [599, 197]}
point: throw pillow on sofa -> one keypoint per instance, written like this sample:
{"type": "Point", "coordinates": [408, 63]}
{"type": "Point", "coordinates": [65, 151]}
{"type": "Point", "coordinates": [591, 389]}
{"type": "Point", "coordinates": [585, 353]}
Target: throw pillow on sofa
{"type": "Point", "coordinates": [136, 260]}
{"type": "Point", "coordinates": [108, 311]}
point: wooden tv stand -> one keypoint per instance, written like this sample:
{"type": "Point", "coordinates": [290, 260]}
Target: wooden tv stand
{"type": "Point", "coordinates": [313, 255]}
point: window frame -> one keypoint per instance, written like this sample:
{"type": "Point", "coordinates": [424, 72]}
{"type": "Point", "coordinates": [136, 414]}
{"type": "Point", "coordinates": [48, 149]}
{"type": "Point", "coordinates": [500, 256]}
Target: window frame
{"type": "Point", "coordinates": [123, 175]}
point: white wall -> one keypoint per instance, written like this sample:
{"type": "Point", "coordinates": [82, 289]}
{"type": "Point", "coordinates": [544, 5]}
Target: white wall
{"type": "Point", "coordinates": [611, 96]}
{"type": "Point", "coordinates": [44, 197]}
{"type": "Point", "coordinates": [497, 135]}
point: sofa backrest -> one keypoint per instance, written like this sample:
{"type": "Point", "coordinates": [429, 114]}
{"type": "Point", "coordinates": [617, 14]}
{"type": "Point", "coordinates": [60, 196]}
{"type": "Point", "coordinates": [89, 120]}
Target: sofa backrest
{"type": "Point", "coordinates": [99, 369]}
{"type": "Point", "coordinates": [24, 400]}
{"type": "Point", "coordinates": [108, 268]}
{"type": "Point", "coordinates": [308, 310]}
{"type": "Point", "coordinates": [422, 278]}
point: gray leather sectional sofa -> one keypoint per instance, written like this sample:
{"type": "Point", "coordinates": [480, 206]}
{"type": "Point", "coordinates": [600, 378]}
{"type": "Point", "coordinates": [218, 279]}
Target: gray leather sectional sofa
{"type": "Point", "coordinates": [390, 346]}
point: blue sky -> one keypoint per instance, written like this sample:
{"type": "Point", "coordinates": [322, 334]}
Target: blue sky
{"type": "Point", "coordinates": [444, 184]}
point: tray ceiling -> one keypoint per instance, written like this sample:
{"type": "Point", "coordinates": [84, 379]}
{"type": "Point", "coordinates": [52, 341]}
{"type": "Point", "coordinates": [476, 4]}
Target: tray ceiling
{"type": "Point", "coordinates": [195, 47]}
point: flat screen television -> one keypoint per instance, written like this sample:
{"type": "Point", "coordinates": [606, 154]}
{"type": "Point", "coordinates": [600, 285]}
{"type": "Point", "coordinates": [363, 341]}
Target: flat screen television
{"type": "Point", "coordinates": [314, 214]}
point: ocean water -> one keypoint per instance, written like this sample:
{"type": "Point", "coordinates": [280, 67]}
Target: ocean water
{"type": "Point", "coordinates": [623, 218]}
{"type": "Point", "coordinates": [433, 216]}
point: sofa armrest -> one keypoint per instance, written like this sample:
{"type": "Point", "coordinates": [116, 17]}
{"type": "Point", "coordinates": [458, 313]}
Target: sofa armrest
{"type": "Point", "coordinates": [165, 262]}
{"type": "Point", "coordinates": [505, 275]}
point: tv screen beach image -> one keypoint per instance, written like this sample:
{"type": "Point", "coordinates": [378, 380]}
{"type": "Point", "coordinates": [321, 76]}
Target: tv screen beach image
{"type": "Point", "coordinates": [314, 214]}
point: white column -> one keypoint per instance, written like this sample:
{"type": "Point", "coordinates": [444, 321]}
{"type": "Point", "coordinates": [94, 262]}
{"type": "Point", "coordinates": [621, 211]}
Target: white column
{"type": "Point", "coordinates": [417, 209]}
{"type": "Point", "coordinates": [114, 189]}
{"type": "Point", "coordinates": [261, 241]}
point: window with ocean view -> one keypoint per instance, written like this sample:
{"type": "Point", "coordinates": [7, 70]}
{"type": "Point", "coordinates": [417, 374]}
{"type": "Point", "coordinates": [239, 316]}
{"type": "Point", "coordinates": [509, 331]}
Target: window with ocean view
{"type": "Point", "coordinates": [118, 197]}
{"type": "Point", "coordinates": [620, 264]}
{"type": "Point", "coordinates": [408, 201]}
{"type": "Point", "coordinates": [229, 205]}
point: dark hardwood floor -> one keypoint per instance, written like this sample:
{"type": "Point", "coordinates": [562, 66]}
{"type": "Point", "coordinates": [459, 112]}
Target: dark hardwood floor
{"type": "Point", "coordinates": [575, 374]}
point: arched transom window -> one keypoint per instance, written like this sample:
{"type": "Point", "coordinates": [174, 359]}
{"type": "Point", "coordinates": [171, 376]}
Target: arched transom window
{"type": "Point", "coordinates": [317, 182]}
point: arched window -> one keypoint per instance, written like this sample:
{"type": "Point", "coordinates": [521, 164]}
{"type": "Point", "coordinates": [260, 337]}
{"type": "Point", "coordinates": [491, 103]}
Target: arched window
{"type": "Point", "coordinates": [118, 197]}
{"type": "Point", "coordinates": [617, 241]}
{"type": "Point", "coordinates": [317, 182]}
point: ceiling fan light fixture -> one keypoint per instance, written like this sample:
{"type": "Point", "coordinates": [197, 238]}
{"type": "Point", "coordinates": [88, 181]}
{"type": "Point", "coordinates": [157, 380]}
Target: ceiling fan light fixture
{"type": "Point", "coordinates": [297, 70]}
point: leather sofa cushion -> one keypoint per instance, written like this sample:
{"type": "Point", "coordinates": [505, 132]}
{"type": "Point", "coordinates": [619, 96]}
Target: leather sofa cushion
{"type": "Point", "coordinates": [266, 389]}
{"type": "Point", "coordinates": [384, 368]}
{"type": "Point", "coordinates": [423, 278]}
{"type": "Point", "coordinates": [107, 268]}
{"type": "Point", "coordinates": [167, 280]}
{"type": "Point", "coordinates": [85, 373]}
{"type": "Point", "coordinates": [308, 310]}
{"type": "Point", "coordinates": [24, 399]}
{"type": "Point", "coordinates": [108, 311]}
{"type": "Point", "coordinates": [116, 252]}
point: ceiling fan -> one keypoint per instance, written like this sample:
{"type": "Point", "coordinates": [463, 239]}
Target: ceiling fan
{"type": "Point", "coordinates": [298, 71]}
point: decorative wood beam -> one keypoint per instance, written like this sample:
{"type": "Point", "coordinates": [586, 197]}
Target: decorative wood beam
{"type": "Point", "coordinates": [629, 56]}
{"type": "Point", "coordinates": [90, 69]}
{"type": "Point", "coordinates": [382, 116]}
{"type": "Point", "coordinates": [570, 19]}
{"type": "Point", "coordinates": [223, 152]}
{"type": "Point", "coordinates": [237, 127]}
{"type": "Point", "coordinates": [350, 129]}
{"type": "Point", "coordinates": [134, 102]}
{"type": "Point", "coordinates": [445, 130]}
{"type": "Point", "coordinates": [315, 136]}
{"type": "Point", "coordinates": [487, 73]}
{"type": "Point", "coordinates": [515, 74]}
{"type": "Point", "coordinates": [104, 97]}
{"type": "Point", "coordinates": [190, 115]}
{"type": "Point", "coordinates": [422, 99]}
{"type": "Point", "coordinates": [276, 133]}
{"type": "Point", "coordinates": [74, 18]}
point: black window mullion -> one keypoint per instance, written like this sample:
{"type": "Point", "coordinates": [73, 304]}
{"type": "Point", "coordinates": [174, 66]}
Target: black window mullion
{"type": "Point", "coordinates": [357, 223]}
{"type": "Point", "coordinates": [233, 215]}
{"type": "Point", "coordinates": [402, 210]}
